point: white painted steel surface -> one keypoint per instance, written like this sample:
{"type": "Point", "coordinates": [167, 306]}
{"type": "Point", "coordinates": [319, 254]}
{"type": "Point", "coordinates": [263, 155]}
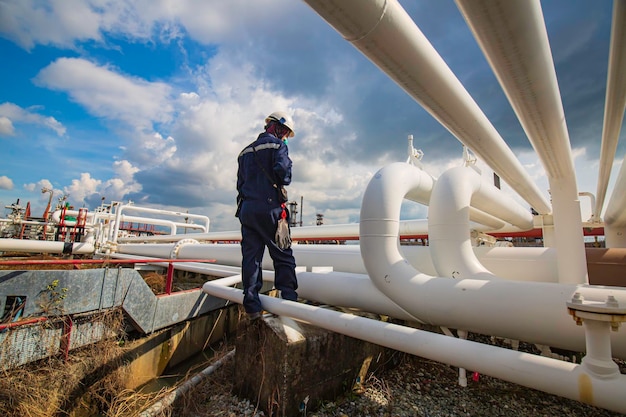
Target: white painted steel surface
{"type": "Point", "coordinates": [385, 33]}
{"type": "Point", "coordinates": [520, 264]}
{"type": "Point", "coordinates": [513, 37]}
{"type": "Point", "coordinates": [42, 246]}
{"type": "Point", "coordinates": [448, 218]}
{"type": "Point", "coordinates": [549, 375]}
{"type": "Point", "coordinates": [615, 216]}
{"type": "Point", "coordinates": [615, 102]}
{"type": "Point", "coordinates": [515, 293]}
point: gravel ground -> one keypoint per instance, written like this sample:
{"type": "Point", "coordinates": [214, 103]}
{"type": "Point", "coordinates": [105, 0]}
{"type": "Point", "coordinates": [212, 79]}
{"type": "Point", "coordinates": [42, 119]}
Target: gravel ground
{"type": "Point", "coordinates": [416, 387]}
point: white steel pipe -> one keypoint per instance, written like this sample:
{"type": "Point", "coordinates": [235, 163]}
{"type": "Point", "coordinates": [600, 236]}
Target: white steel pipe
{"type": "Point", "coordinates": [615, 102]}
{"type": "Point", "coordinates": [92, 218]}
{"type": "Point", "coordinates": [615, 215]}
{"type": "Point", "coordinates": [481, 221]}
{"type": "Point", "coordinates": [56, 216]}
{"type": "Point", "coordinates": [537, 372]}
{"type": "Point", "coordinates": [513, 37]}
{"type": "Point", "coordinates": [44, 246]}
{"type": "Point", "coordinates": [448, 218]}
{"type": "Point", "coordinates": [348, 290]}
{"type": "Point", "coordinates": [130, 207]}
{"type": "Point", "coordinates": [520, 264]}
{"type": "Point", "coordinates": [333, 288]}
{"type": "Point", "coordinates": [385, 33]}
{"type": "Point", "coordinates": [448, 221]}
{"type": "Point", "coordinates": [525, 311]}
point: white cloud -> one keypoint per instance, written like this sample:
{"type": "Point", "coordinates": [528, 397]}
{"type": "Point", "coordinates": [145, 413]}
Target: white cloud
{"type": "Point", "coordinates": [6, 127]}
{"type": "Point", "coordinates": [31, 22]}
{"type": "Point", "coordinates": [6, 183]}
{"type": "Point", "coordinates": [64, 23]}
{"type": "Point", "coordinates": [188, 141]}
{"type": "Point", "coordinates": [82, 188]}
{"type": "Point", "coordinates": [10, 113]}
{"type": "Point", "coordinates": [39, 185]}
{"type": "Point", "coordinates": [125, 170]}
{"type": "Point", "coordinates": [104, 92]}
{"type": "Point", "coordinates": [117, 188]}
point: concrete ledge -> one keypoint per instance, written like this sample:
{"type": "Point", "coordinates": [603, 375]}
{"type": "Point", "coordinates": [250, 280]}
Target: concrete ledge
{"type": "Point", "coordinates": [284, 366]}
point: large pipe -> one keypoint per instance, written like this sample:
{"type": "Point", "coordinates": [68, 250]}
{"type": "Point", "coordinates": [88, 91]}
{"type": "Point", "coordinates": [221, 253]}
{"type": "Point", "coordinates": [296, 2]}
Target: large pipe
{"type": "Point", "coordinates": [481, 222]}
{"type": "Point", "coordinates": [534, 312]}
{"type": "Point", "coordinates": [43, 246]}
{"type": "Point", "coordinates": [520, 264]}
{"type": "Point", "coordinates": [513, 37]}
{"type": "Point", "coordinates": [615, 102]}
{"type": "Point", "coordinates": [537, 372]}
{"type": "Point", "coordinates": [385, 33]}
{"type": "Point", "coordinates": [615, 215]}
{"type": "Point", "coordinates": [451, 247]}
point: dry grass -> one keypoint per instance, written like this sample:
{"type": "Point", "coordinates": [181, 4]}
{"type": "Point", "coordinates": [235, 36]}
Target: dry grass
{"type": "Point", "coordinates": [88, 380]}
{"type": "Point", "coordinates": [92, 380]}
{"type": "Point", "coordinates": [155, 281]}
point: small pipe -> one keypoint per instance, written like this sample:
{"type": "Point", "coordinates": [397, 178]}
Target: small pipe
{"type": "Point", "coordinates": [544, 374]}
{"type": "Point", "coordinates": [594, 213]}
{"type": "Point", "coordinates": [98, 261]}
{"type": "Point", "coordinates": [22, 323]}
{"type": "Point", "coordinates": [158, 407]}
{"type": "Point", "coordinates": [462, 372]}
{"type": "Point", "coordinates": [615, 102]}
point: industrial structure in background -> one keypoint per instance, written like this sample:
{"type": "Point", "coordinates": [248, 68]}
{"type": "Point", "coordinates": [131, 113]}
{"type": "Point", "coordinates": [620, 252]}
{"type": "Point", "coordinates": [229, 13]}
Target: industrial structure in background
{"type": "Point", "coordinates": [469, 277]}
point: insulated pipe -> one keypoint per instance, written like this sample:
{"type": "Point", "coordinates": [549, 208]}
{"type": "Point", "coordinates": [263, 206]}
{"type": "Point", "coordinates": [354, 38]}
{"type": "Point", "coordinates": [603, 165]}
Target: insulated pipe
{"type": "Point", "coordinates": [528, 264]}
{"type": "Point", "coordinates": [334, 288]}
{"type": "Point", "coordinates": [129, 207]}
{"type": "Point", "coordinates": [525, 311]}
{"type": "Point", "coordinates": [615, 215]}
{"type": "Point", "coordinates": [56, 216]}
{"type": "Point", "coordinates": [92, 217]}
{"type": "Point", "coordinates": [44, 246]}
{"type": "Point", "coordinates": [482, 222]}
{"type": "Point", "coordinates": [385, 33]}
{"type": "Point", "coordinates": [348, 290]}
{"type": "Point", "coordinates": [95, 217]}
{"type": "Point", "coordinates": [520, 264]}
{"type": "Point", "coordinates": [448, 218]}
{"type": "Point", "coordinates": [549, 375]}
{"type": "Point", "coordinates": [615, 102]}
{"type": "Point", "coordinates": [513, 37]}
{"type": "Point", "coordinates": [532, 312]}
{"type": "Point", "coordinates": [594, 214]}
{"type": "Point", "coordinates": [448, 221]}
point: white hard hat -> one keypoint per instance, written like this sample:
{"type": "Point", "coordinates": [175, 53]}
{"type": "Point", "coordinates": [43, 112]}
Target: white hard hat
{"type": "Point", "coordinates": [282, 118]}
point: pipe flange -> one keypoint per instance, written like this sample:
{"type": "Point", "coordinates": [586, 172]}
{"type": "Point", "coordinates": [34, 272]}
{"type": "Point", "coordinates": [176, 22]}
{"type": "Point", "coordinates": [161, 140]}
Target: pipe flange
{"type": "Point", "coordinates": [180, 244]}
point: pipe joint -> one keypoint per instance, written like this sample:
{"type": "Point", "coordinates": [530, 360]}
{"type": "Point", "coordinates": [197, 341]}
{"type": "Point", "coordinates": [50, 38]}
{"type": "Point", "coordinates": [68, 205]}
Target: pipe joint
{"type": "Point", "coordinates": [598, 320]}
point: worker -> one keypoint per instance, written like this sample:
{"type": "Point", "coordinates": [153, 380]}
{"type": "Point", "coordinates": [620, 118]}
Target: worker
{"type": "Point", "coordinates": [264, 169]}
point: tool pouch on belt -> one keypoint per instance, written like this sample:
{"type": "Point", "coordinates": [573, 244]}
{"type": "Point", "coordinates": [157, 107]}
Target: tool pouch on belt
{"type": "Point", "coordinates": [283, 233]}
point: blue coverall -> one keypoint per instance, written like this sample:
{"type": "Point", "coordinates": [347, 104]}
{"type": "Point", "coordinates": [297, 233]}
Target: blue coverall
{"type": "Point", "coordinates": [259, 214]}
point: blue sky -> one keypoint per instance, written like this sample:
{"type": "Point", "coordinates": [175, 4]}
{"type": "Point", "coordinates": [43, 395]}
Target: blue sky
{"type": "Point", "coordinates": [151, 101]}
